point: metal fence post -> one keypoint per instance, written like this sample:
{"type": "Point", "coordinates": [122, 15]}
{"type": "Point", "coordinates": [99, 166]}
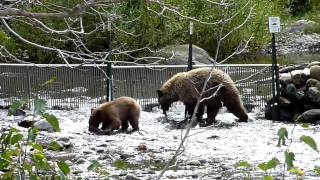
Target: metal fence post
{"type": "Point", "coordinates": [29, 86]}
{"type": "Point", "coordinates": [109, 68]}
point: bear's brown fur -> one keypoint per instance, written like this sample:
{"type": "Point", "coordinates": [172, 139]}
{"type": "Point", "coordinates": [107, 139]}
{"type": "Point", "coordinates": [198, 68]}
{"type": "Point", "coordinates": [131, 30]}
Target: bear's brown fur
{"type": "Point", "coordinates": [187, 86]}
{"type": "Point", "coordinates": [115, 114]}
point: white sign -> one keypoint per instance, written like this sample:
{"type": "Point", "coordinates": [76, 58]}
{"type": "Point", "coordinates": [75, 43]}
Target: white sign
{"type": "Point", "coordinates": [274, 24]}
{"type": "Point", "coordinates": [191, 28]}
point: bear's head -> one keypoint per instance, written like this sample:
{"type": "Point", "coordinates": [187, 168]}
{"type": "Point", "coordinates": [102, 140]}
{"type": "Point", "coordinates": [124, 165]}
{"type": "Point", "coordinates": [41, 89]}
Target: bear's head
{"type": "Point", "coordinates": [95, 119]}
{"type": "Point", "coordinates": [165, 100]}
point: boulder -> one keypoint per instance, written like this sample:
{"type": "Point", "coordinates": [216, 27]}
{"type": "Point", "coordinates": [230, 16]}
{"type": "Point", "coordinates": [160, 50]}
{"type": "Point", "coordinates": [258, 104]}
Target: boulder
{"type": "Point", "coordinates": [313, 83]}
{"type": "Point", "coordinates": [285, 78]}
{"type": "Point", "coordinates": [313, 94]}
{"type": "Point", "coordinates": [299, 77]}
{"type": "Point", "coordinates": [315, 72]}
{"type": "Point", "coordinates": [310, 116]}
{"type": "Point", "coordinates": [181, 54]}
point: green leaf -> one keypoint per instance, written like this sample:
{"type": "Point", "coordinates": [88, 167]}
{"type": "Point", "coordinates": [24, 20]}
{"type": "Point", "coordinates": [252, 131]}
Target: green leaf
{"type": "Point", "coordinates": [27, 167]}
{"type": "Point", "coordinates": [309, 141]}
{"type": "Point", "coordinates": [4, 163]}
{"type": "Point", "coordinates": [40, 106]}
{"type": "Point", "coordinates": [16, 138]}
{"type": "Point", "coordinates": [282, 136]}
{"type": "Point", "coordinates": [50, 81]}
{"type": "Point", "coordinates": [272, 163]}
{"type": "Point", "coordinates": [289, 158]}
{"type": "Point", "coordinates": [296, 170]}
{"type": "Point", "coordinates": [120, 164]}
{"type": "Point", "coordinates": [37, 147]}
{"type": "Point", "coordinates": [64, 167]}
{"type": "Point", "coordinates": [267, 177]}
{"type": "Point", "coordinates": [317, 170]}
{"type": "Point", "coordinates": [53, 121]}
{"type": "Point", "coordinates": [305, 125]}
{"type": "Point", "coordinates": [40, 160]}
{"type": "Point", "coordinates": [263, 166]}
{"type": "Point", "coordinates": [15, 106]}
{"type": "Point", "coordinates": [242, 164]}
{"type": "Point", "coordinates": [32, 134]}
{"type": "Point", "coordinates": [94, 164]}
{"type": "Point", "coordinates": [55, 146]}
{"type": "Point", "coordinates": [34, 177]}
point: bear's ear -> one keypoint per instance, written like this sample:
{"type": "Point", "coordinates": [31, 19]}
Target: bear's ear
{"type": "Point", "coordinates": [160, 93]}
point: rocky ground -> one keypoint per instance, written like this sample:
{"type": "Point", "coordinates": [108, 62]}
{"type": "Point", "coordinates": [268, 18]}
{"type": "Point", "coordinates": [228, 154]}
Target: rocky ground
{"type": "Point", "coordinates": [209, 153]}
{"type": "Point", "coordinates": [292, 40]}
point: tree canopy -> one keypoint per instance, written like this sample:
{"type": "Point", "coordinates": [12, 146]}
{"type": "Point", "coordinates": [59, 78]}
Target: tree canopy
{"type": "Point", "coordinates": [77, 31]}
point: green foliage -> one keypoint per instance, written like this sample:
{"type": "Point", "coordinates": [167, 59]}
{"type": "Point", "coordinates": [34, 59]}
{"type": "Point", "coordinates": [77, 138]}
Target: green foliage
{"type": "Point", "coordinates": [15, 106]}
{"type": "Point", "coordinates": [309, 141]}
{"type": "Point", "coordinates": [53, 121]}
{"type": "Point", "coordinates": [265, 166]}
{"type": "Point", "coordinates": [40, 106]}
{"type": "Point", "coordinates": [16, 161]}
{"type": "Point", "coordinates": [64, 168]}
{"type": "Point", "coordinates": [289, 158]}
{"type": "Point", "coordinates": [120, 164]}
{"type": "Point", "coordinates": [317, 170]}
{"type": "Point", "coordinates": [296, 170]}
{"type": "Point", "coordinates": [55, 146]}
{"type": "Point", "coordinates": [282, 136]}
{"type": "Point", "coordinates": [148, 28]}
{"type": "Point", "coordinates": [95, 166]}
{"type": "Point", "coordinates": [242, 164]}
{"type": "Point", "coordinates": [267, 177]}
{"type": "Point", "coordinates": [50, 81]}
{"type": "Point", "coordinates": [313, 29]}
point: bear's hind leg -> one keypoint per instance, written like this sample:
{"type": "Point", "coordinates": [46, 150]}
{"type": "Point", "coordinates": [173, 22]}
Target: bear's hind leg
{"type": "Point", "coordinates": [124, 125]}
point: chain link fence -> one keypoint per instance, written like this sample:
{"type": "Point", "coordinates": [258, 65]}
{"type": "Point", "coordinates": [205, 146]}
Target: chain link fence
{"type": "Point", "coordinates": [86, 85]}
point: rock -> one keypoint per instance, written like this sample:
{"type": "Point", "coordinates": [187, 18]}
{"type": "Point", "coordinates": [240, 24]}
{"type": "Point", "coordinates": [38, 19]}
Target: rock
{"type": "Point", "coordinates": [181, 53]}
{"type": "Point", "coordinates": [284, 102]}
{"type": "Point", "coordinates": [313, 63]}
{"type": "Point", "coordinates": [298, 77]}
{"type": "Point", "coordinates": [285, 78]}
{"type": "Point", "coordinates": [310, 116]}
{"type": "Point", "coordinates": [300, 94]}
{"type": "Point", "coordinates": [19, 112]}
{"type": "Point", "coordinates": [60, 156]}
{"type": "Point", "coordinates": [193, 163]}
{"type": "Point", "coordinates": [313, 94]}
{"type": "Point", "coordinates": [81, 161]}
{"type": "Point", "coordinates": [43, 125]}
{"type": "Point", "coordinates": [131, 177]}
{"type": "Point", "coordinates": [26, 123]}
{"type": "Point", "coordinates": [313, 83]}
{"type": "Point", "coordinates": [87, 151]}
{"type": "Point", "coordinates": [291, 90]}
{"type": "Point", "coordinates": [141, 147]}
{"type": "Point", "coordinates": [299, 26]}
{"type": "Point", "coordinates": [315, 72]}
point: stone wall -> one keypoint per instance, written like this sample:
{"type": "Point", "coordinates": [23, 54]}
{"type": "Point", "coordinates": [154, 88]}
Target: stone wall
{"type": "Point", "coordinates": [299, 94]}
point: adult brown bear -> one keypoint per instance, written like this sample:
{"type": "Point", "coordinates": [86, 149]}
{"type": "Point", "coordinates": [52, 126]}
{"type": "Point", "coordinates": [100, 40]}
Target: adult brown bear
{"type": "Point", "coordinates": [115, 114]}
{"type": "Point", "coordinates": [187, 86]}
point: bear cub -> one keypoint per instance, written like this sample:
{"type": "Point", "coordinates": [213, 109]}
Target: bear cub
{"type": "Point", "coordinates": [115, 114]}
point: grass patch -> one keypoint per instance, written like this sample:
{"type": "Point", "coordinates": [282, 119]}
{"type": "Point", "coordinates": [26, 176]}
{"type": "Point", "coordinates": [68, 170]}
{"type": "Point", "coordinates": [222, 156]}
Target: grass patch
{"type": "Point", "coordinates": [312, 29]}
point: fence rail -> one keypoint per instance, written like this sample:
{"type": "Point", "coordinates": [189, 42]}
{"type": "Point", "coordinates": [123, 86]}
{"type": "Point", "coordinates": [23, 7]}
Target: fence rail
{"type": "Point", "coordinates": [79, 85]}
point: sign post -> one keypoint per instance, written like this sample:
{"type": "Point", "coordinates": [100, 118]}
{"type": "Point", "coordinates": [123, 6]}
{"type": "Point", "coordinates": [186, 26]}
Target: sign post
{"type": "Point", "coordinates": [109, 67]}
{"type": "Point", "coordinates": [190, 46]}
{"type": "Point", "coordinates": [274, 27]}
